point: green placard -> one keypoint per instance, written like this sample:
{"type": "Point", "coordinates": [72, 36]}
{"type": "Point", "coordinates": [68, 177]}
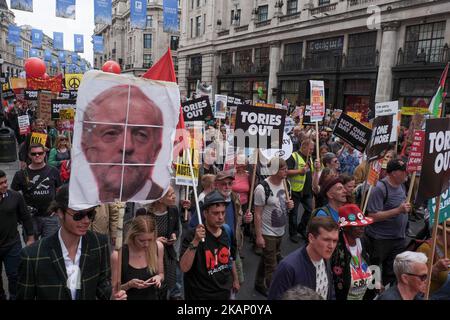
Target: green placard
{"type": "Point", "coordinates": [444, 211]}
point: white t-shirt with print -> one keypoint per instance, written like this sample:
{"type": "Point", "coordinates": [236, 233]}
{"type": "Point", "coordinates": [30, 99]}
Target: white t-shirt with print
{"type": "Point", "coordinates": [321, 278]}
{"type": "Point", "coordinates": [274, 216]}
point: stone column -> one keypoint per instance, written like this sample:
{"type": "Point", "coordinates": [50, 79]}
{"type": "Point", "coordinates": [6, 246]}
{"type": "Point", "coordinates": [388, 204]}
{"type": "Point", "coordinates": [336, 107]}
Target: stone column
{"type": "Point", "coordinates": [208, 68]}
{"type": "Point", "coordinates": [388, 56]}
{"type": "Point", "coordinates": [182, 75]}
{"type": "Point", "coordinates": [274, 57]}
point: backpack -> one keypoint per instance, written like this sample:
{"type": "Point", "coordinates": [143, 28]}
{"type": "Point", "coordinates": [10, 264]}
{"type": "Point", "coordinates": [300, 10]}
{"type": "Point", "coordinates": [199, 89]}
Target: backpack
{"type": "Point", "coordinates": [268, 191]}
{"type": "Point", "coordinates": [324, 208]}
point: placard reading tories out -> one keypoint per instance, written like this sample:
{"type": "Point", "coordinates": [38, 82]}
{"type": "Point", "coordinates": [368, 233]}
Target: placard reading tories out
{"type": "Point", "coordinates": [259, 127]}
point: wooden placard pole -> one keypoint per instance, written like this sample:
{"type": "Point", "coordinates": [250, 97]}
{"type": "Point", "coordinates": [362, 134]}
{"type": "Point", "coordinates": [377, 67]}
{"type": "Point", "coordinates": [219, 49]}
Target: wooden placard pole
{"type": "Point", "coordinates": [411, 187]}
{"type": "Point", "coordinates": [118, 247]}
{"type": "Point", "coordinates": [252, 187]}
{"type": "Point", "coordinates": [445, 239]}
{"type": "Point", "coordinates": [317, 142]}
{"type": "Point", "coordinates": [186, 197]}
{"type": "Point", "coordinates": [286, 190]}
{"type": "Point", "coordinates": [433, 246]}
{"type": "Point", "coordinates": [366, 174]}
{"type": "Point", "coordinates": [367, 199]}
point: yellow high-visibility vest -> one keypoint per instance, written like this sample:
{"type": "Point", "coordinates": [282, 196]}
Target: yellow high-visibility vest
{"type": "Point", "coordinates": [298, 180]}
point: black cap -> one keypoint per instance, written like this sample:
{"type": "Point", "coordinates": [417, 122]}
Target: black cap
{"type": "Point", "coordinates": [395, 164]}
{"type": "Point", "coordinates": [211, 198]}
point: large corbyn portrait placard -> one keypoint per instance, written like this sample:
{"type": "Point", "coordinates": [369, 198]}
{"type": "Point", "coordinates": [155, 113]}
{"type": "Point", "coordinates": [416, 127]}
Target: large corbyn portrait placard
{"type": "Point", "coordinates": [435, 175]}
{"type": "Point", "coordinates": [123, 138]}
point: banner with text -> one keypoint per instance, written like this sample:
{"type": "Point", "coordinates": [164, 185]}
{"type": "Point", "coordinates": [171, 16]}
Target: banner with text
{"type": "Point", "coordinates": [138, 13]}
{"type": "Point", "coordinates": [381, 133]}
{"type": "Point", "coordinates": [197, 110]}
{"type": "Point", "coordinates": [31, 95]}
{"type": "Point", "coordinates": [24, 5]}
{"type": "Point", "coordinates": [24, 124]}
{"type": "Point", "coordinates": [58, 40]}
{"type": "Point", "coordinates": [170, 16]}
{"type": "Point", "coordinates": [435, 175]}
{"type": "Point", "coordinates": [444, 207]}
{"type": "Point", "coordinates": [352, 132]}
{"type": "Point", "coordinates": [220, 106]}
{"type": "Point", "coordinates": [317, 100]}
{"type": "Point", "coordinates": [61, 104]}
{"type": "Point", "coordinates": [416, 152]}
{"type": "Point", "coordinates": [259, 127]}
{"type": "Point", "coordinates": [103, 12]}
{"type": "Point", "coordinates": [388, 108]}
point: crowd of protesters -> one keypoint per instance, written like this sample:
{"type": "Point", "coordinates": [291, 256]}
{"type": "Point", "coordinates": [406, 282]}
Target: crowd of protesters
{"type": "Point", "coordinates": [312, 200]}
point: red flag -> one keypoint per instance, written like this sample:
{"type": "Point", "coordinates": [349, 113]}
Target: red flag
{"type": "Point", "coordinates": [164, 70]}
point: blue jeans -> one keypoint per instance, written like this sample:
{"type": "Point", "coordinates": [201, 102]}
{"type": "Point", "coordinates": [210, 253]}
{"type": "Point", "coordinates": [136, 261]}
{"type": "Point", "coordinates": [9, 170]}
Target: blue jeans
{"type": "Point", "coordinates": [11, 259]}
{"type": "Point", "coordinates": [177, 290]}
{"type": "Point", "coordinates": [444, 292]}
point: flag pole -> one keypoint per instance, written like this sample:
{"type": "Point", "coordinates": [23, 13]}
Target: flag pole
{"type": "Point", "coordinates": [194, 187]}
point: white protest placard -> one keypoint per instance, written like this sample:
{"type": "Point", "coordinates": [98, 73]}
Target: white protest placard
{"type": "Point", "coordinates": [123, 139]}
{"type": "Point", "coordinates": [317, 100]}
{"type": "Point", "coordinates": [388, 108]}
{"type": "Point", "coordinates": [220, 106]}
{"type": "Point", "coordinates": [285, 152]}
{"type": "Point", "coordinates": [24, 124]}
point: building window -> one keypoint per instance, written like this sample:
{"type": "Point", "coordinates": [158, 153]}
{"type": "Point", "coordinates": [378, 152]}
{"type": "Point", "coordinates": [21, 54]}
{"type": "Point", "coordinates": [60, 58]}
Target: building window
{"type": "Point", "coordinates": [324, 53]}
{"type": "Point", "coordinates": [292, 6]}
{"type": "Point", "coordinates": [425, 43]}
{"type": "Point", "coordinates": [175, 63]}
{"type": "Point", "coordinates": [290, 90]}
{"type": "Point", "coordinates": [324, 2]}
{"type": "Point", "coordinates": [196, 66]}
{"type": "Point", "coordinates": [147, 41]}
{"type": "Point", "coordinates": [292, 56]}
{"type": "Point", "coordinates": [204, 23]}
{"type": "Point", "coordinates": [174, 43]}
{"type": "Point", "coordinates": [263, 13]}
{"type": "Point", "coordinates": [147, 61]}
{"type": "Point", "coordinates": [198, 22]}
{"type": "Point", "coordinates": [235, 17]}
{"type": "Point", "coordinates": [192, 28]}
{"type": "Point", "coordinates": [149, 22]}
{"type": "Point", "coordinates": [362, 49]}
{"type": "Point", "coordinates": [198, 3]}
{"type": "Point", "coordinates": [192, 4]}
{"type": "Point", "coordinates": [243, 61]}
{"type": "Point", "coordinates": [262, 59]}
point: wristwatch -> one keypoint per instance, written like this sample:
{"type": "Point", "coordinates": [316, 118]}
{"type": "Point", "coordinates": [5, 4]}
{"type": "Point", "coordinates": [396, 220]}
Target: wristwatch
{"type": "Point", "coordinates": [192, 246]}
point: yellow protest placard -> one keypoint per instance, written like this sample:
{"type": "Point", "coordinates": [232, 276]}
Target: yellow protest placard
{"type": "Point", "coordinates": [409, 111]}
{"type": "Point", "coordinates": [73, 80]}
{"type": "Point", "coordinates": [355, 115]}
{"type": "Point", "coordinates": [40, 138]}
{"type": "Point", "coordinates": [66, 114]}
{"type": "Point", "coordinates": [183, 173]}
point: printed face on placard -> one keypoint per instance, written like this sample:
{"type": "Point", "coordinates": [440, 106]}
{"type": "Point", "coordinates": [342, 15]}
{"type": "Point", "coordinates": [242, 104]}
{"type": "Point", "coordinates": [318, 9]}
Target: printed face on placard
{"type": "Point", "coordinates": [122, 144]}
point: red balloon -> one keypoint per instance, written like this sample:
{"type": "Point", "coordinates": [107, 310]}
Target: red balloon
{"type": "Point", "coordinates": [45, 76]}
{"type": "Point", "coordinates": [111, 66]}
{"type": "Point", "coordinates": [35, 67]}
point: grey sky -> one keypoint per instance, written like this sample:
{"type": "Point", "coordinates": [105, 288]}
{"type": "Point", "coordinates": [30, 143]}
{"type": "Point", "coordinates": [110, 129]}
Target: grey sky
{"type": "Point", "coordinates": [43, 17]}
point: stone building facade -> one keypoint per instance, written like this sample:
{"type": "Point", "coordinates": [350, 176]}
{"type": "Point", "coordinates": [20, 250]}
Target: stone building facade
{"type": "Point", "coordinates": [13, 66]}
{"type": "Point", "coordinates": [366, 51]}
{"type": "Point", "coordinates": [135, 49]}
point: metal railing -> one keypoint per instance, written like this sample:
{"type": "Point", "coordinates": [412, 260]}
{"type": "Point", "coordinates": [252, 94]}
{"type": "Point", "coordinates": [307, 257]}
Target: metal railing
{"type": "Point", "coordinates": [430, 56]}
{"type": "Point", "coordinates": [360, 60]}
{"type": "Point", "coordinates": [263, 23]}
{"type": "Point", "coordinates": [323, 9]}
{"type": "Point", "coordinates": [291, 16]}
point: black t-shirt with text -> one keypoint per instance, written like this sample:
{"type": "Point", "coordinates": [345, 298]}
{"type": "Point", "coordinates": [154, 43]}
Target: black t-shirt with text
{"type": "Point", "coordinates": [38, 186]}
{"type": "Point", "coordinates": [210, 277]}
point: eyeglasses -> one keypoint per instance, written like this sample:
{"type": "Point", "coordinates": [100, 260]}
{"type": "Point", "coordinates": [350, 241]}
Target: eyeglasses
{"type": "Point", "coordinates": [79, 215]}
{"type": "Point", "coordinates": [34, 154]}
{"type": "Point", "coordinates": [422, 277]}
{"type": "Point", "coordinates": [224, 183]}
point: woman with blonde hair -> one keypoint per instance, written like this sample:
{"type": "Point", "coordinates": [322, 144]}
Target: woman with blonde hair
{"type": "Point", "coordinates": [61, 151]}
{"type": "Point", "coordinates": [142, 270]}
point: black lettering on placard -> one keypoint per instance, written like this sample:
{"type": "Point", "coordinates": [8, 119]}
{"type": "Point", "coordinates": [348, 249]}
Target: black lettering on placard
{"type": "Point", "coordinates": [435, 175]}
{"type": "Point", "coordinates": [8, 95]}
{"type": "Point", "coordinates": [264, 124]}
{"type": "Point", "coordinates": [234, 101]}
{"type": "Point", "coordinates": [73, 94]}
{"type": "Point", "coordinates": [352, 132]}
{"type": "Point", "coordinates": [197, 109]}
{"type": "Point", "coordinates": [59, 104]}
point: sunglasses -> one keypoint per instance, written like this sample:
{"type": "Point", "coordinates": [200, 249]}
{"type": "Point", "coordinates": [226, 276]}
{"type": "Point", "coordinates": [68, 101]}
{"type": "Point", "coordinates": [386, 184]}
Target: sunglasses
{"type": "Point", "coordinates": [79, 215]}
{"type": "Point", "coordinates": [34, 154]}
{"type": "Point", "coordinates": [422, 277]}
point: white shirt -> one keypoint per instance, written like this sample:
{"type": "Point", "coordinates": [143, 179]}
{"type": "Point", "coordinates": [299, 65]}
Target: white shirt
{"type": "Point", "coordinates": [72, 267]}
{"type": "Point", "coordinates": [143, 193]}
{"type": "Point", "coordinates": [321, 278]}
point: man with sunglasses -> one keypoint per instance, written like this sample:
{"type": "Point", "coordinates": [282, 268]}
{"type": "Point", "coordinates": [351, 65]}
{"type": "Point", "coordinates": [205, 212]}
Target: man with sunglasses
{"type": "Point", "coordinates": [38, 183]}
{"type": "Point", "coordinates": [411, 271]}
{"type": "Point", "coordinates": [72, 264]}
